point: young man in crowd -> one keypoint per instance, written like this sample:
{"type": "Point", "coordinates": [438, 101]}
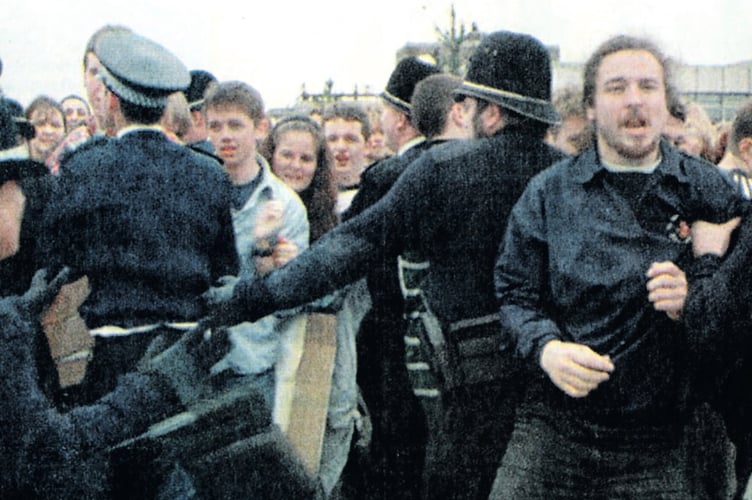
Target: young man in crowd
{"type": "Point", "coordinates": [269, 221]}
{"type": "Point", "coordinates": [346, 130]}
{"type": "Point", "coordinates": [608, 410]}
{"type": "Point", "coordinates": [573, 134]}
{"type": "Point", "coordinates": [76, 111]}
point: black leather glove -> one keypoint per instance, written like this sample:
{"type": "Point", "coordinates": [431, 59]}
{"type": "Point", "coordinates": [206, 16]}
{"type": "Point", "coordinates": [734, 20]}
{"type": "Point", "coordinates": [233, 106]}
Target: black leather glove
{"type": "Point", "coordinates": [221, 293]}
{"type": "Point", "coordinates": [250, 301]}
{"type": "Point", "coordinates": [186, 363]}
{"type": "Point", "coordinates": [40, 294]}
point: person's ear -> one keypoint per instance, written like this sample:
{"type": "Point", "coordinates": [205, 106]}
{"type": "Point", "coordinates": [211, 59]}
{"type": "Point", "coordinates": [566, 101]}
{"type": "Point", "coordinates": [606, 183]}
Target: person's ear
{"type": "Point", "coordinates": [262, 127]}
{"type": "Point", "coordinates": [493, 118]}
{"type": "Point", "coordinates": [457, 115]}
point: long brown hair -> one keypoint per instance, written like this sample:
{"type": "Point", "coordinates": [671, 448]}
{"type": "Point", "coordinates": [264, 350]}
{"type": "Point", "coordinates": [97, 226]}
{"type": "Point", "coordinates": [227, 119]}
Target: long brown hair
{"type": "Point", "coordinates": [320, 197]}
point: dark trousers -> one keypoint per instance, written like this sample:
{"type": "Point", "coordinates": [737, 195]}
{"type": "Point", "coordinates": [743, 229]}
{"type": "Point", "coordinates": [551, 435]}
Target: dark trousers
{"type": "Point", "coordinates": [468, 434]}
{"type": "Point", "coordinates": [556, 456]}
{"type": "Point", "coordinates": [395, 460]}
{"type": "Point", "coordinates": [734, 402]}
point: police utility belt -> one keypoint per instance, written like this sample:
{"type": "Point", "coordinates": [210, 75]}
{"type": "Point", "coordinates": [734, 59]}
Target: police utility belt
{"type": "Point", "coordinates": [465, 352]}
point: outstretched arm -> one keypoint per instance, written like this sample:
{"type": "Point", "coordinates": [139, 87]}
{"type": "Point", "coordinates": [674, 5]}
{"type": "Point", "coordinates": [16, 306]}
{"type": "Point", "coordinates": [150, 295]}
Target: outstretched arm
{"type": "Point", "coordinates": [48, 453]}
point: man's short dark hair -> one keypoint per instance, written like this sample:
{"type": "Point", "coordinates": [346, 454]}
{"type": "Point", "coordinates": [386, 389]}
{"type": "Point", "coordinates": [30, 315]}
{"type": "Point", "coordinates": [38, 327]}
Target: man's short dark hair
{"type": "Point", "coordinates": [140, 114]}
{"type": "Point", "coordinates": [349, 111]}
{"type": "Point", "coordinates": [432, 99]}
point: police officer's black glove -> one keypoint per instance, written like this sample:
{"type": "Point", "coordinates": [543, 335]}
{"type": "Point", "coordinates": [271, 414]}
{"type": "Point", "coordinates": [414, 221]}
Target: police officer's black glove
{"type": "Point", "coordinates": [221, 293]}
{"type": "Point", "coordinates": [250, 300]}
{"type": "Point", "coordinates": [40, 294]}
{"type": "Point", "coordinates": [186, 364]}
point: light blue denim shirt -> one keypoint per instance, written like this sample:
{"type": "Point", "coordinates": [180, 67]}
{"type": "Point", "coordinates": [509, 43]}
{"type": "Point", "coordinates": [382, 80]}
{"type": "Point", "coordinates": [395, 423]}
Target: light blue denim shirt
{"type": "Point", "coordinates": [255, 345]}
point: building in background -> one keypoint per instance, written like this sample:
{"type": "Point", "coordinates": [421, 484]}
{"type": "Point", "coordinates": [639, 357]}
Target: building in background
{"type": "Point", "coordinates": [719, 89]}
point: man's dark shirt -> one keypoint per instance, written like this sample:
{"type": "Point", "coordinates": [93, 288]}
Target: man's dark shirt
{"type": "Point", "coordinates": [573, 265]}
{"type": "Point", "coordinates": [148, 222]}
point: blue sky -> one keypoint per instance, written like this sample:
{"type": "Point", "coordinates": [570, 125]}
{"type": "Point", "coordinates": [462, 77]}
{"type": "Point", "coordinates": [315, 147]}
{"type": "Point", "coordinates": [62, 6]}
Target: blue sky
{"type": "Point", "coordinates": [277, 46]}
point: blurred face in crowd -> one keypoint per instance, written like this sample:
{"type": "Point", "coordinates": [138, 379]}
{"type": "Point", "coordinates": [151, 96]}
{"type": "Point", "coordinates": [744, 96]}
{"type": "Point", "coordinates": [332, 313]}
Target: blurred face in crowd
{"type": "Point", "coordinates": [390, 120]}
{"type": "Point", "coordinates": [685, 136]}
{"type": "Point", "coordinates": [572, 135]}
{"type": "Point", "coordinates": [76, 112]}
{"type": "Point", "coordinates": [346, 144]}
{"type": "Point", "coordinates": [12, 203]}
{"type": "Point", "coordinates": [629, 107]}
{"type": "Point", "coordinates": [376, 144]}
{"type": "Point", "coordinates": [294, 159]}
{"type": "Point", "coordinates": [233, 134]}
{"type": "Point", "coordinates": [95, 89]}
{"type": "Point", "coordinates": [674, 130]}
{"type": "Point", "coordinates": [50, 130]}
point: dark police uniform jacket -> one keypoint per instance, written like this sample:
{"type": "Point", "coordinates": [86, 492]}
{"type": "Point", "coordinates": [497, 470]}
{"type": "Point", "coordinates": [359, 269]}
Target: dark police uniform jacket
{"type": "Point", "coordinates": [148, 221]}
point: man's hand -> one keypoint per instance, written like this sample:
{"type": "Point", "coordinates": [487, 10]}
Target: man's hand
{"type": "Point", "coordinates": [269, 221]}
{"type": "Point", "coordinates": [575, 368]}
{"type": "Point", "coordinates": [667, 288]}
{"type": "Point", "coordinates": [284, 251]}
{"type": "Point", "coordinates": [708, 238]}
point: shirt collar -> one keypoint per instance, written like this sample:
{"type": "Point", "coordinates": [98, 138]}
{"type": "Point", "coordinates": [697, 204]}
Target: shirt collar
{"type": "Point", "coordinates": [411, 143]}
{"type": "Point", "coordinates": [137, 128]}
{"type": "Point", "coordinates": [588, 164]}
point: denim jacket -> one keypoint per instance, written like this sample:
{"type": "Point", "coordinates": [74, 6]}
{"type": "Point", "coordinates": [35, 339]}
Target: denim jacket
{"type": "Point", "coordinates": [255, 344]}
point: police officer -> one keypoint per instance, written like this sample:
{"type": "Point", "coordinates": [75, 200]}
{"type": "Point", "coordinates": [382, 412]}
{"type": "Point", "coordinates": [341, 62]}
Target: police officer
{"type": "Point", "coordinates": [398, 435]}
{"type": "Point", "coordinates": [147, 220]}
{"type": "Point", "coordinates": [451, 206]}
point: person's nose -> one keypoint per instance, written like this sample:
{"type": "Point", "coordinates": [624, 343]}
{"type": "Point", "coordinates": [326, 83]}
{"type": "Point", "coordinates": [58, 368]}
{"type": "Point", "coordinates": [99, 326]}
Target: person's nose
{"type": "Point", "coordinates": [295, 163]}
{"type": "Point", "coordinates": [634, 95]}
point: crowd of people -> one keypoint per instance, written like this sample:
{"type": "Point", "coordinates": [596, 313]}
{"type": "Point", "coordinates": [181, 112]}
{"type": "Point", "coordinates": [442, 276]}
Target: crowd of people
{"type": "Point", "coordinates": [533, 294]}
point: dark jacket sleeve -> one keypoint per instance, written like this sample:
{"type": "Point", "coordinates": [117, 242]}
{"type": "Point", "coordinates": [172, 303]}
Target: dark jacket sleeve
{"type": "Point", "coordinates": [520, 279]}
{"type": "Point", "coordinates": [49, 454]}
{"type": "Point", "coordinates": [340, 257]}
{"type": "Point", "coordinates": [224, 256]}
{"type": "Point", "coordinates": [717, 309]}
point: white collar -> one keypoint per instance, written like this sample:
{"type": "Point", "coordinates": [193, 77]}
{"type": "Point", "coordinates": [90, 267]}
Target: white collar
{"type": "Point", "coordinates": [135, 128]}
{"type": "Point", "coordinates": [623, 169]}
